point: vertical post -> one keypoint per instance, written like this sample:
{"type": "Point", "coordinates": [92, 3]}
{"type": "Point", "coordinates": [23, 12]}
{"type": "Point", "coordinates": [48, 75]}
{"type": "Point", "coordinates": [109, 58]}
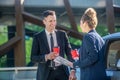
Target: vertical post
{"type": "Point", "coordinates": [110, 16]}
{"type": "Point", "coordinates": [70, 15]}
{"type": "Point", "coordinates": [20, 47]}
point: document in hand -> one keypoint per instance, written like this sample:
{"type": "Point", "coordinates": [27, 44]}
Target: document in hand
{"type": "Point", "coordinates": [62, 60]}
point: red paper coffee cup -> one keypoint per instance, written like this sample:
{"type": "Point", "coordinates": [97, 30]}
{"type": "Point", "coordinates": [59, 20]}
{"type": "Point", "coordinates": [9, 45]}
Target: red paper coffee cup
{"type": "Point", "coordinates": [74, 54]}
{"type": "Point", "coordinates": [56, 50]}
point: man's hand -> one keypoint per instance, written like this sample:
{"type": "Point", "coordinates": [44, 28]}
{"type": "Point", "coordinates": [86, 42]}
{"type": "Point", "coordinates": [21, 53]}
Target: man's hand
{"type": "Point", "coordinates": [51, 56]}
{"type": "Point", "coordinates": [72, 75]}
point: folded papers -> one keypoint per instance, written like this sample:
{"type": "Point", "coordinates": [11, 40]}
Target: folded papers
{"type": "Point", "coordinates": [62, 60]}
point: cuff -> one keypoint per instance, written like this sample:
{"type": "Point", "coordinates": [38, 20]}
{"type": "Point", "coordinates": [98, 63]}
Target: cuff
{"type": "Point", "coordinates": [46, 57]}
{"type": "Point", "coordinates": [73, 70]}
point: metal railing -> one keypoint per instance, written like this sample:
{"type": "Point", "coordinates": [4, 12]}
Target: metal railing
{"type": "Point", "coordinates": [18, 73]}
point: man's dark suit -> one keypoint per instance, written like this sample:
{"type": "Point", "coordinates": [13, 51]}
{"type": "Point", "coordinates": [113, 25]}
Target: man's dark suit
{"type": "Point", "coordinates": [92, 60]}
{"type": "Point", "coordinates": [40, 48]}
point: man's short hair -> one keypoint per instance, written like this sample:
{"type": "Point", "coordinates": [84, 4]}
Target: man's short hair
{"type": "Point", "coordinates": [47, 13]}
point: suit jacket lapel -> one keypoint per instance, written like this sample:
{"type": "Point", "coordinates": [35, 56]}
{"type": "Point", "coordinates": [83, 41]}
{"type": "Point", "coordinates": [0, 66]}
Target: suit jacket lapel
{"type": "Point", "coordinates": [58, 38]}
{"type": "Point", "coordinates": [45, 42]}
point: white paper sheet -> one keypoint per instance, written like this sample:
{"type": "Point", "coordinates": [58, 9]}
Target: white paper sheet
{"type": "Point", "coordinates": [62, 60]}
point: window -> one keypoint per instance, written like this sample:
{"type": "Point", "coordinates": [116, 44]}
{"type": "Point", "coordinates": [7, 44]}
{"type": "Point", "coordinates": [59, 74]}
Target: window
{"type": "Point", "coordinates": [113, 54]}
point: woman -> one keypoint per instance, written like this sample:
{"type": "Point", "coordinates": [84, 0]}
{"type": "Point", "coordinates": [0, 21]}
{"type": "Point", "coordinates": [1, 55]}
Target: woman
{"type": "Point", "coordinates": [92, 60]}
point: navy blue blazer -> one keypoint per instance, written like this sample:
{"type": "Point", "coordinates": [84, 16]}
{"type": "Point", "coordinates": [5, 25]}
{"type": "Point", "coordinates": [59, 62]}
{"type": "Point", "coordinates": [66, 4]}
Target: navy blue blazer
{"type": "Point", "coordinates": [92, 59]}
{"type": "Point", "coordinates": [40, 48]}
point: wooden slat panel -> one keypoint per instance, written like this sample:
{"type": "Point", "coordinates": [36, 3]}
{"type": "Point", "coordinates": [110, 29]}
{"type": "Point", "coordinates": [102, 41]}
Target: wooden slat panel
{"type": "Point", "coordinates": [8, 45]}
{"type": "Point", "coordinates": [70, 15]}
{"type": "Point", "coordinates": [35, 20]}
{"type": "Point", "coordinates": [110, 16]}
{"type": "Point", "coordinates": [20, 47]}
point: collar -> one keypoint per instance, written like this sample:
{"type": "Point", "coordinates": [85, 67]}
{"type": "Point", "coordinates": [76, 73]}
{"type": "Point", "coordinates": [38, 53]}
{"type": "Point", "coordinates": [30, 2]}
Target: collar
{"type": "Point", "coordinates": [93, 30]}
{"type": "Point", "coordinates": [49, 32]}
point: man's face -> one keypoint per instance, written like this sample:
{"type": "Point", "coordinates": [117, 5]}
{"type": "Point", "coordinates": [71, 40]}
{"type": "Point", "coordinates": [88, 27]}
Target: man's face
{"type": "Point", "coordinates": [50, 22]}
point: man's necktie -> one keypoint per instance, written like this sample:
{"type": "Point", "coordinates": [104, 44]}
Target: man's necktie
{"type": "Point", "coordinates": [51, 41]}
{"type": "Point", "coordinates": [52, 63]}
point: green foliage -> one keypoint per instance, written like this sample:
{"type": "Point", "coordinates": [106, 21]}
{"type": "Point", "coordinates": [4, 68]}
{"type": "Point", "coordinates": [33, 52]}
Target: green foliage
{"type": "Point", "coordinates": [117, 29]}
{"type": "Point", "coordinates": [3, 61]}
{"type": "Point", "coordinates": [28, 44]}
{"type": "Point", "coordinates": [102, 30]}
{"type": "Point", "coordinates": [3, 34]}
{"type": "Point", "coordinates": [3, 39]}
{"type": "Point", "coordinates": [34, 27]}
{"type": "Point", "coordinates": [79, 29]}
{"type": "Point", "coordinates": [75, 41]}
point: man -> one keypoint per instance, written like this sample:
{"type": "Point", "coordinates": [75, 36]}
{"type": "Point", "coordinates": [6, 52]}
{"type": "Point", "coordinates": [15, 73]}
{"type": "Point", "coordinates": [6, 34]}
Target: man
{"type": "Point", "coordinates": [42, 49]}
{"type": "Point", "coordinates": [92, 59]}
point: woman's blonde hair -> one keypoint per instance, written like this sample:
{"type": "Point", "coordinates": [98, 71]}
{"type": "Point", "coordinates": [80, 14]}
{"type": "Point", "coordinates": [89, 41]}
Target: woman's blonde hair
{"type": "Point", "coordinates": [90, 16]}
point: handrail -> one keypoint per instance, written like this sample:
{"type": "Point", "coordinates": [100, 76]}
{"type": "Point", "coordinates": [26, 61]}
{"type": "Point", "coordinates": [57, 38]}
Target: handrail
{"type": "Point", "coordinates": [18, 68]}
{"type": "Point", "coordinates": [8, 45]}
